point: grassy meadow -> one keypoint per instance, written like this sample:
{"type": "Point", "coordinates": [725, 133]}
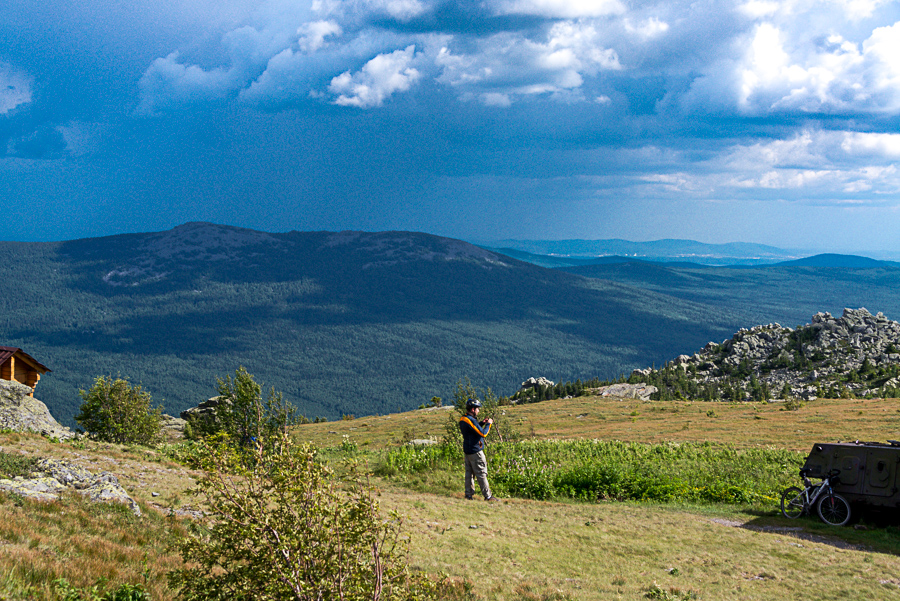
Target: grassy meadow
{"type": "Point", "coordinates": [522, 548]}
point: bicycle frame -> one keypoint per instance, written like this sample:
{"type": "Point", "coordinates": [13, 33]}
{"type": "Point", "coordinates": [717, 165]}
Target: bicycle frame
{"type": "Point", "coordinates": [817, 489]}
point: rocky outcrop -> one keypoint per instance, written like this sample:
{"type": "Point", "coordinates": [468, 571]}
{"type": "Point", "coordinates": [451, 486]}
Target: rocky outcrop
{"type": "Point", "coordinates": [172, 427]}
{"type": "Point", "coordinates": [856, 354]}
{"type": "Point", "coordinates": [22, 413]}
{"type": "Point", "coordinates": [642, 392]}
{"type": "Point", "coordinates": [203, 417]}
{"type": "Point", "coordinates": [533, 383]}
{"type": "Point", "coordinates": [52, 477]}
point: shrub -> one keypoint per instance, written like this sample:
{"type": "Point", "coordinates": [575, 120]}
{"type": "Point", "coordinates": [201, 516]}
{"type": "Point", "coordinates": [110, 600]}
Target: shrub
{"type": "Point", "coordinates": [279, 527]}
{"type": "Point", "coordinates": [242, 414]}
{"type": "Point", "coordinates": [114, 411]}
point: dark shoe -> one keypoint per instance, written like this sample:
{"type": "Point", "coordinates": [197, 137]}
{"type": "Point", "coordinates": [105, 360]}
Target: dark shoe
{"type": "Point", "coordinates": [492, 499]}
{"type": "Point", "coordinates": [470, 498]}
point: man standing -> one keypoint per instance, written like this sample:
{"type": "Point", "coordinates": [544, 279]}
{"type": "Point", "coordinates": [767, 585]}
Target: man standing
{"type": "Point", "coordinates": [474, 433]}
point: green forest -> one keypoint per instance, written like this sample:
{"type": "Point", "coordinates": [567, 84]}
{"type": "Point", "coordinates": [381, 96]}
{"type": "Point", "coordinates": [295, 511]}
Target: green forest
{"type": "Point", "coordinates": [349, 323]}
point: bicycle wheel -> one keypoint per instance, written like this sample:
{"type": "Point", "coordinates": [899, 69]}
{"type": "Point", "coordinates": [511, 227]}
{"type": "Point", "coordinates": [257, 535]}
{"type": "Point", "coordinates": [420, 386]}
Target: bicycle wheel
{"type": "Point", "coordinates": [792, 505]}
{"type": "Point", "coordinates": [834, 509]}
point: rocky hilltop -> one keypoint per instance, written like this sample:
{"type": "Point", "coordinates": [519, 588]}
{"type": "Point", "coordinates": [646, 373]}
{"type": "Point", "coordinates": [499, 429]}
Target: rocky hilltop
{"type": "Point", "coordinates": [857, 354]}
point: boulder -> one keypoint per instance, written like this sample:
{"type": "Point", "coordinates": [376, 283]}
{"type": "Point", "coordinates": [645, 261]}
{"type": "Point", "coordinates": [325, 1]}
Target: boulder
{"type": "Point", "coordinates": [204, 417]}
{"type": "Point", "coordinates": [172, 427]}
{"type": "Point", "coordinates": [52, 477]}
{"type": "Point", "coordinates": [628, 391]}
{"type": "Point", "coordinates": [532, 383]}
{"type": "Point", "coordinates": [22, 413]}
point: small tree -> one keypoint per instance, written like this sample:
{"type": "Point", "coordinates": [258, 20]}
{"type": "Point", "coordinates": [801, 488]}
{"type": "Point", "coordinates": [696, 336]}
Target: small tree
{"type": "Point", "coordinates": [280, 527]}
{"type": "Point", "coordinates": [242, 414]}
{"type": "Point", "coordinates": [114, 411]}
{"type": "Point", "coordinates": [490, 408]}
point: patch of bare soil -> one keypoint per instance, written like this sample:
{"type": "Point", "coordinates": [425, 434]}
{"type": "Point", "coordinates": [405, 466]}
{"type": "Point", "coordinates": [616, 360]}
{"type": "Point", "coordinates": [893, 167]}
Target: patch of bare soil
{"type": "Point", "coordinates": [792, 531]}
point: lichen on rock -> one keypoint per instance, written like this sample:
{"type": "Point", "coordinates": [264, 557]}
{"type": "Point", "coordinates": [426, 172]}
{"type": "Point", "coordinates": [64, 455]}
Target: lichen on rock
{"type": "Point", "coordinates": [52, 477]}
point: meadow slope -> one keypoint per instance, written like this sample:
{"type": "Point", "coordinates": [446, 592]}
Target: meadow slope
{"type": "Point", "coordinates": [520, 548]}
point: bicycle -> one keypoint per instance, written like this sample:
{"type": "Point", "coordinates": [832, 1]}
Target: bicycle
{"type": "Point", "coordinates": [832, 508]}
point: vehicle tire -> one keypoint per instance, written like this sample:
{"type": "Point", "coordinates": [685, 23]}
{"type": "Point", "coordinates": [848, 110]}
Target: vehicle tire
{"type": "Point", "coordinates": [792, 502]}
{"type": "Point", "coordinates": [834, 510]}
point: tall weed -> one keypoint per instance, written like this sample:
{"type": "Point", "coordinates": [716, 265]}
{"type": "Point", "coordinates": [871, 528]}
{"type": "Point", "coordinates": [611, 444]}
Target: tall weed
{"type": "Point", "coordinates": [591, 470]}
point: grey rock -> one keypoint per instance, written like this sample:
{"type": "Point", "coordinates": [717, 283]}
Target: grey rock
{"type": "Point", "coordinates": [52, 477]}
{"type": "Point", "coordinates": [627, 391]}
{"type": "Point", "coordinates": [532, 383]}
{"type": "Point", "coordinates": [831, 348]}
{"type": "Point", "coordinates": [22, 413]}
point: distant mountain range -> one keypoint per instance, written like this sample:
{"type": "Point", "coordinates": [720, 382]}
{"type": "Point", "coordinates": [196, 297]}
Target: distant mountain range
{"type": "Point", "coordinates": [559, 253]}
{"type": "Point", "coordinates": [365, 323]}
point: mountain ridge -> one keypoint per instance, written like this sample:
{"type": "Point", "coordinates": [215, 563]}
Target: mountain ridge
{"type": "Point", "coordinates": [341, 322]}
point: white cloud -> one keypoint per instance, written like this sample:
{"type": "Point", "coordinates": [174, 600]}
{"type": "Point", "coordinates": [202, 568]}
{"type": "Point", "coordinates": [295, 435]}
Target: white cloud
{"type": "Point", "coordinates": [882, 145]}
{"type": "Point", "coordinates": [168, 81]}
{"type": "Point", "coordinates": [786, 69]}
{"type": "Point", "coordinates": [560, 9]}
{"type": "Point", "coordinates": [833, 167]}
{"type": "Point", "coordinates": [509, 64]}
{"type": "Point", "coordinates": [647, 29]}
{"type": "Point", "coordinates": [15, 88]}
{"type": "Point", "coordinates": [401, 10]}
{"type": "Point", "coordinates": [378, 80]}
{"type": "Point", "coordinates": [496, 99]}
{"type": "Point", "coordinates": [758, 8]}
{"type": "Point", "coordinates": [313, 35]}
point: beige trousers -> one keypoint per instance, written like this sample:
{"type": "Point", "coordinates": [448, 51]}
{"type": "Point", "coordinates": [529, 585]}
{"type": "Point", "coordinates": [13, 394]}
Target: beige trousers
{"type": "Point", "coordinates": [476, 469]}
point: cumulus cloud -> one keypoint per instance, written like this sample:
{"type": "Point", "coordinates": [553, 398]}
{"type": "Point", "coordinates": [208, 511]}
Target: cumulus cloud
{"type": "Point", "coordinates": [782, 68]}
{"type": "Point", "coordinates": [506, 64]}
{"type": "Point", "coordinates": [400, 10]}
{"type": "Point", "coordinates": [884, 145]}
{"type": "Point", "coordinates": [830, 166]}
{"type": "Point", "coordinates": [15, 88]}
{"type": "Point", "coordinates": [313, 36]}
{"type": "Point", "coordinates": [171, 81]}
{"type": "Point", "coordinates": [379, 78]}
{"type": "Point", "coordinates": [649, 28]}
{"type": "Point", "coordinates": [561, 9]}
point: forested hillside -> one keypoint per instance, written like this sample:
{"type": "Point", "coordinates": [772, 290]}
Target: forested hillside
{"type": "Point", "coordinates": [785, 293]}
{"type": "Point", "coordinates": [341, 323]}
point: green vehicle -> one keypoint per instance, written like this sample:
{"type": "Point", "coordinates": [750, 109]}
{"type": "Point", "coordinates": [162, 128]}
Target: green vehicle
{"type": "Point", "coordinates": [861, 474]}
{"type": "Point", "coordinates": [867, 470]}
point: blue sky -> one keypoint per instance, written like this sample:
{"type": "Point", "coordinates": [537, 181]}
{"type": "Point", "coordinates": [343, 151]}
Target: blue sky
{"type": "Point", "coordinates": [758, 121]}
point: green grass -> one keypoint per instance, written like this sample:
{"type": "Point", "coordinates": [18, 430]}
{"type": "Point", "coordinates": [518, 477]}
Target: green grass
{"type": "Point", "coordinates": [591, 470]}
{"type": "Point", "coordinates": [12, 465]}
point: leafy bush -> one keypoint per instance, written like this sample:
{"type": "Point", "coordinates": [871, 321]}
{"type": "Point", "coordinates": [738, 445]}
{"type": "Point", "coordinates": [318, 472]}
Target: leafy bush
{"type": "Point", "coordinates": [114, 411]}
{"type": "Point", "coordinates": [280, 527]}
{"type": "Point", "coordinates": [242, 414]}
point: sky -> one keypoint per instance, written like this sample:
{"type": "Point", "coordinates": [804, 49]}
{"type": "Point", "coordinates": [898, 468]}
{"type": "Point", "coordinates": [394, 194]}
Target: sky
{"type": "Point", "coordinates": [769, 121]}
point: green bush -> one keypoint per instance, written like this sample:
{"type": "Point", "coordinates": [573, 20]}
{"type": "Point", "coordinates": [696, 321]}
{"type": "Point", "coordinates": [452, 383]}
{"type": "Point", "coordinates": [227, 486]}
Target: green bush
{"type": "Point", "coordinates": [242, 414]}
{"type": "Point", "coordinates": [281, 527]}
{"type": "Point", "coordinates": [114, 411]}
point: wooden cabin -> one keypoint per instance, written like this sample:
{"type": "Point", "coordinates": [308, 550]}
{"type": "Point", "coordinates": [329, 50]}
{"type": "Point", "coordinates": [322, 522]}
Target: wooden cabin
{"type": "Point", "coordinates": [19, 366]}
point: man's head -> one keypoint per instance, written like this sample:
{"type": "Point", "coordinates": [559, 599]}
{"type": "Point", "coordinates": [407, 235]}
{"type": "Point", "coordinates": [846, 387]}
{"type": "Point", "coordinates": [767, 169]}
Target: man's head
{"type": "Point", "coordinates": [473, 405]}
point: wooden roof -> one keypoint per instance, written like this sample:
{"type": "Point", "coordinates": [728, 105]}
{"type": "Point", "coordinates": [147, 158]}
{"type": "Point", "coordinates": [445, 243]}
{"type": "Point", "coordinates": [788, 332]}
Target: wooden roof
{"type": "Point", "coordinates": [8, 351]}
